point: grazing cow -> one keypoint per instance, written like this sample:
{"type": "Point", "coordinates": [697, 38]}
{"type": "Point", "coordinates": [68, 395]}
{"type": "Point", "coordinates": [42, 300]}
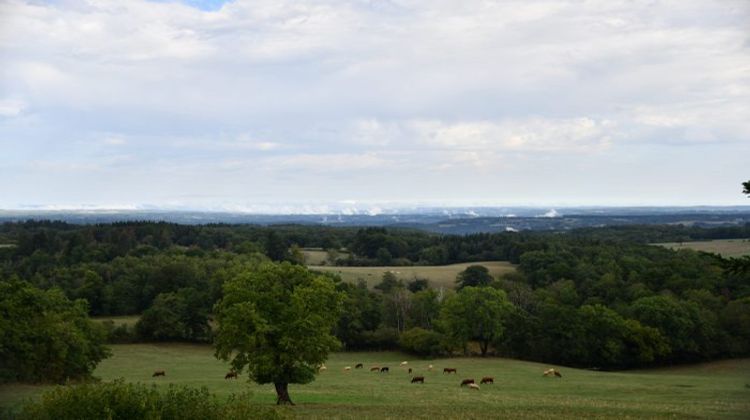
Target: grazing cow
{"type": "Point", "coordinates": [416, 379]}
{"type": "Point", "coordinates": [467, 382]}
{"type": "Point", "coordinates": [231, 375]}
{"type": "Point", "coordinates": [322, 368]}
{"type": "Point", "coordinates": [347, 369]}
{"type": "Point", "coordinates": [359, 366]}
{"type": "Point", "coordinates": [552, 372]}
{"type": "Point", "coordinates": [404, 363]}
{"type": "Point", "coordinates": [409, 371]}
{"type": "Point", "coordinates": [450, 370]}
{"type": "Point", "coordinates": [487, 380]}
{"type": "Point", "coordinates": [375, 369]}
{"type": "Point", "coordinates": [159, 373]}
{"type": "Point", "coordinates": [474, 386]}
{"type": "Point", "coordinates": [384, 369]}
{"type": "Point", "coordinates": [429, 367]}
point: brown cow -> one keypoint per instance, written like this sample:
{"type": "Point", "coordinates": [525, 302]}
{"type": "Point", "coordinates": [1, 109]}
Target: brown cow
{"type": "Point", "coordinates": [159, 373]}
{"type": "Point", "coordinates": [450, 370]}
{"type": "Point", "coordinates": [359, 366]}
{"type": "Point", "coordinates": [231, 375]}
{"type": "Point", "coordinates": [487, 380]}
{"type": "Point", "coordinates": [416, 379]}
{"type": "Point", "coordinates": [375, 369]}
{"type": "Point", "coordinates": [467, 382]}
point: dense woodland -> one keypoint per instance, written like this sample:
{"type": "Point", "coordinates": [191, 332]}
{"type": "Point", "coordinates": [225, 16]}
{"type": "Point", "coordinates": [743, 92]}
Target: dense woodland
{"type": "Point", "coordinates": [595, 298]}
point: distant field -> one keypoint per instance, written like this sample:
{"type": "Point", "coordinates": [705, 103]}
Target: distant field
{"type": "Point", "coordinates": [318, 256]}
{"type": "Point", "coordinates": [438, 275]}
{"type": "Point", "coordinates": [128, 320]}
{"type": "Point", "coordinates": [724, 247]}
{"type": "Point", "coordinates": [714, 390]}
{"type": "Point", "coordinates": [7, 245]}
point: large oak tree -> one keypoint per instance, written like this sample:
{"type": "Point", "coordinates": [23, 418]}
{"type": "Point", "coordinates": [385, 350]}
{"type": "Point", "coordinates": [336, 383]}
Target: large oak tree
{"type": "Point", "coordinates": [276, 322]}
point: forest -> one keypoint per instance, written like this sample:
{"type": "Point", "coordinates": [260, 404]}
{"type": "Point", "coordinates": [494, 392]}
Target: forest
{"type": "Point", "coordinates": [600, 298]}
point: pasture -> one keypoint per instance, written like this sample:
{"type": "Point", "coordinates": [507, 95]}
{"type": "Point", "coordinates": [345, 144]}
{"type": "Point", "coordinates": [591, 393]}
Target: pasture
{"type": "Point", "coordinates": [713, 390]}
{"type": "Point", "coordinates": [438, 275]}
{"type": "Point", "coordinates": [318, 256]}
{"type": "Point", "coordinates": [727, 248]}
{"type": "Point", "coordinates": [129, 320]}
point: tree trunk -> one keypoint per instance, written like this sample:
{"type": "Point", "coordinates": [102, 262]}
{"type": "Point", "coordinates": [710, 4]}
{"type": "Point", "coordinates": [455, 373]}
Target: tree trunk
{"type": "Point", "coordinates": [483, 345]}
{"type": "Point", "coordinates": [282, 393]}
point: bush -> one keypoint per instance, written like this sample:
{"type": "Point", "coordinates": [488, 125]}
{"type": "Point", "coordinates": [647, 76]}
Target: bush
{"type": "Point", "coordinates": [120, 400]}
{"type": "Point", "coordinates": [384, 338]}
{"type": "Point", "coordinates": [120, 334]}
{"type": "Point", "coordinates": [422, 342]}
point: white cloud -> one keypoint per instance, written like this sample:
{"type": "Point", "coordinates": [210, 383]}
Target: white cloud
{"type": "Point", "coordinates": [441, 92]}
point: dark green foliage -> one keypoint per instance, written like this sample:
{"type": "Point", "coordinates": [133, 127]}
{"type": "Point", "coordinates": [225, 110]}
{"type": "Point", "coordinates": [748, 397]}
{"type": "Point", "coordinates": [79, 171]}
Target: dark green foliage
{"type": "Point", "coordinates": [174, 316]}
{"type": "Point", "coordinates": [473, 276]}
{"type": "Point", "coordinates": [44, 337]}
{"type": "Point", "coordinates": [746, 187]}
{"type": "Point", "coordinates": [120, 400]}
{"type": "Point", "coordinates": [276, 323]}
{"type": "Point", "coordinates": [422, 342]}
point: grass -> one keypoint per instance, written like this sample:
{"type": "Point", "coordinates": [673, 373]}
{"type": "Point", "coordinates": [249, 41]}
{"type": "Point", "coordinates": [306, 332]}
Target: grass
{"type": "Point", "coordinates": [438, 275]}
{"type": "Point", "coordinates": [713, 390]}
{"type": "Point", "coordinates": [129, 320]}
{"type": "Point", "coordinates": [725, 247]}
{"type": "Point", "coordinates": [318, 256]}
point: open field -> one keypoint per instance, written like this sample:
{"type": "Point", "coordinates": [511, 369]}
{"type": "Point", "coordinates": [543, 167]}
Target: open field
{"type": "Point", "coordinates": [725, 247]}
{"type": "Point", "coordinates": [713, 390]}
{"type": "Point", "coordinates": [318, 256]}
{"type": "Point", "coordinates": [128, 320]}
{"type": "Point", "coordinates": [438, 275]}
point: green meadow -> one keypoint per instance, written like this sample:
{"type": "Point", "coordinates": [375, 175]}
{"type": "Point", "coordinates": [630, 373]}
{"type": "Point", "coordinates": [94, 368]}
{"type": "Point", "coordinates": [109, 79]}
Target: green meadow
{"type": "Point", "coordinates": [438, 275]}
{"type": "Point", "coordinates": [712, 390]}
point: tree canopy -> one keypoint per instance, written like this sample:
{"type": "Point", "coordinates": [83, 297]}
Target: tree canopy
{"type": "Point", "coordinates": [476, 313]}
{"type": "Point", "coordinates": [276, 322]}
{"type": "Point", "coordinates": [45, 337]}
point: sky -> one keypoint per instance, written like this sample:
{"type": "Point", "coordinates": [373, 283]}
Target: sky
{"type": "Point", "coordinates": [274, 104]}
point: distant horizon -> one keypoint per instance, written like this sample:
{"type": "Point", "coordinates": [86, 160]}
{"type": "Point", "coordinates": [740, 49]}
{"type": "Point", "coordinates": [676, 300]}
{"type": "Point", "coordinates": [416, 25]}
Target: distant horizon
{"type": "Point", "coordinates": [364, 209]}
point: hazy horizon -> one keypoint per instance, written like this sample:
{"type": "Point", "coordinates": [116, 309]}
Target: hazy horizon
{"type": "Point", "coordinates": [278, 105]}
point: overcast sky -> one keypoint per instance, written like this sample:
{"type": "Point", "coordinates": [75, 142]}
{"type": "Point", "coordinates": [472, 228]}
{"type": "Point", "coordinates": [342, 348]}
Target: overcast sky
{"type": "Point", "coordinates": [247, 105]}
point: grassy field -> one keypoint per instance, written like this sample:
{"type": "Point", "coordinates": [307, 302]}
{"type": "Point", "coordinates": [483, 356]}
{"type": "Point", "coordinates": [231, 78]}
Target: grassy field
{"type": "Point", "coordinates": [318, 256]}
{"type": "Point", "coordinates": [128, 320]}
{"type": "Point", "coordinates": [438, 275]}
{"type": "Point", "coordinates": [714, 390]}
{"type": "Point", "coordinates": [725, 247]}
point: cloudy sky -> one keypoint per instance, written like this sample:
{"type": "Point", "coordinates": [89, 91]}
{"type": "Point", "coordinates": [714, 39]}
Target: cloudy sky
{"type": "Point", "coordinates": [259, 104]}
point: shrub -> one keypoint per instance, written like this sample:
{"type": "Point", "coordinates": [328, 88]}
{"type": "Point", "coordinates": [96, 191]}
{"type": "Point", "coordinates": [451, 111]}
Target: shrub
{"type": "Point", "coordinates": [120, 400]}
{"type": "Point", "coordinates": [422, 342]}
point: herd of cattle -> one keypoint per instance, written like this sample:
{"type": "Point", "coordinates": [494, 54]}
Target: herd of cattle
{"type": "Point", "coordinates": [415, 379]}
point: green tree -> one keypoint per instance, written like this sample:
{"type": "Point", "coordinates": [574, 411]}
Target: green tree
{"type": "Point", "coordinates": [475, 313]}
{"type": "Point", "coordinates": [746, 188]}
{"type": "Point", "coordinates": [473, 276]}
{"type": "Point", "coordinates": [276, 321]}
{"type": "Point", "coordinates": [181, 315]}
{"type": "Point", "coordinates": [46, 337]}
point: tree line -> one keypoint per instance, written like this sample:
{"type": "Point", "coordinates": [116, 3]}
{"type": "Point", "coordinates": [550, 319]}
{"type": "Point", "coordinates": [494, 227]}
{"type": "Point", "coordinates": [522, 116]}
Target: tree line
{"type": "Point", "coordinates": [598, 298]}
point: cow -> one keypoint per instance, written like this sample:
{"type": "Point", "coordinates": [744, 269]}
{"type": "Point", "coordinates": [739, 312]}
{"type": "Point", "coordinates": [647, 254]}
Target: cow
{"type": "Point", "coordinates": [231, 375]}
{"type": "Point", "coordinates": [404, 363]}
{"type": "Point", "coordinates": [358, 366]}
{"type": "Point", "coordinates": [467, 382]}
{"type": "Point", "coordinates": [429, 367]}
{"type": "Point", "coordinates": [552, 372]}
{"type": "Point", "coordinates": [474, 386]}
{"type": "Point", "coordinates": [487, 380]}
{"type": "Point", "coordinates": [384, 369]}
{"type": "Point", "coordinates": [347, 369]}
{"type": "Point", "coordinates": [416, 379]}
{"type": "Point", "coordinates": [450, 370]}
{"type": "Point", "coordinates": [375, 369]}
{"type": "Point", "coordinates": [409, 371]}
{"type": "Point", "coordinates": [159, 373]}
{"type": "Point", "coordinates": [322, 368]}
